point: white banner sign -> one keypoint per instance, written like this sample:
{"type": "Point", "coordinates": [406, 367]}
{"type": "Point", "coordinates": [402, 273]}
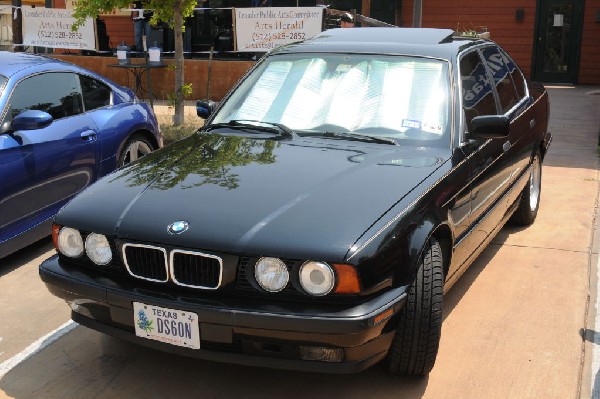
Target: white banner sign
{"type": "Point", "coordinates": [264, 28]}
{"type": "Point", "coordinates": [51, 27]}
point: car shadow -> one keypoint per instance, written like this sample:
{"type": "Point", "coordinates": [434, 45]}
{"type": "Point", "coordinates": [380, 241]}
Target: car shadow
{"type": "Point", "coordinates": [24, 256]}
{"type": "Point", "coordinates": [85, 363]}
{"type": "Point", "coordinates": [460, 288]}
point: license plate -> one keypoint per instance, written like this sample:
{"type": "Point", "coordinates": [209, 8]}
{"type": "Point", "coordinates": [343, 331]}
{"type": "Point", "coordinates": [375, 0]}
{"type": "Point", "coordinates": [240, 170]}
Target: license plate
{"type": "Point", "coordinates": [172, 326]}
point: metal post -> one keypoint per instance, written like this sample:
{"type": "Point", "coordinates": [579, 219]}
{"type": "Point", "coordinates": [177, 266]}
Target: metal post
{"type": "Point", "coordinates": [149, 80]}
{"type": "Point", "coordinates": [417, 13]}
{"type": "Point", "coordinates": [209, 74]}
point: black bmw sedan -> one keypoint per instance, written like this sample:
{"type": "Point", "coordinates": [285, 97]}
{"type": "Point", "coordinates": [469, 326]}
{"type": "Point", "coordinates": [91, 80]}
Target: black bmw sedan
{"type": "Point", "coordinates": [317, 218]}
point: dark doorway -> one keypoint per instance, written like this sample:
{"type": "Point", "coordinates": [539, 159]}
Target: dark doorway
{"type": "Point", "coordinates": [384, 10]}
{"type": "Point", "coordinates": [558, 38]}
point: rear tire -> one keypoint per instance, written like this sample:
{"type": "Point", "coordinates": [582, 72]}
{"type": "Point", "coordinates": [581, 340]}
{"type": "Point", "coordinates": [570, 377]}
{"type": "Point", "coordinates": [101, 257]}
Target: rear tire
{"type": "Point", "coordinates": [135, 147]}
{"type": "Point", "coordinates": [530, 199]}
{"type": "Point", "coordinates": [415, 346]}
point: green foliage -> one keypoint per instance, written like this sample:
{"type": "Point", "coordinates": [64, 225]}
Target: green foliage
{"type": "Point", "coordinates": [163, 9]}
{"type": "Point", "coordinates": [172, 12]}
{"type": "Point", "coordinates": [468, 33]}
{"type": "Point", "coordinates": [186, 91]}
{"type": "Point", "coordinates": [203, 159]}
{"type": "Point", "coordinates": [172, 133]}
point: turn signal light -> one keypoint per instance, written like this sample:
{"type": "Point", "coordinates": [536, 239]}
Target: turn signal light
{"type": "Point", "coordinates": [348, 282]}
{"type": "Point", "coordinates": [55, 230]}
{"type": "Point", "coordinates": [383, 316]}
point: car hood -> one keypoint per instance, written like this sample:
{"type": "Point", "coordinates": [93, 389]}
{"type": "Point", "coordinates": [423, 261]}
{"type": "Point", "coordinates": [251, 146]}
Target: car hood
{"type": "Point", "coordinates": [306, 197]}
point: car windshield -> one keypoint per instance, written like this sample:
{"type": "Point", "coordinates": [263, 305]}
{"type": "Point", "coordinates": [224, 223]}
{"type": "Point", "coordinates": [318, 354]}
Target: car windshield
{"type": "Point", "coordinates": [400, 97]}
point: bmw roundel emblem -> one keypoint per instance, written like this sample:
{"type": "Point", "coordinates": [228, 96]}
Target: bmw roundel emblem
{"type": "Point", "coordinates": [178, 227]}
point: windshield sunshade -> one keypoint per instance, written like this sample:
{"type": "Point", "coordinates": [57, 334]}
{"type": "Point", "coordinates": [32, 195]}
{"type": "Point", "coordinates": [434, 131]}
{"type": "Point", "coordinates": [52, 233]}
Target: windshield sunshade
{"type": "Point", "coordinates": [395, 96]}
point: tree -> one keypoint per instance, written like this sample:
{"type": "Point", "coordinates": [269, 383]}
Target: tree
{"type": "Point", "coordinates": [173, 12]}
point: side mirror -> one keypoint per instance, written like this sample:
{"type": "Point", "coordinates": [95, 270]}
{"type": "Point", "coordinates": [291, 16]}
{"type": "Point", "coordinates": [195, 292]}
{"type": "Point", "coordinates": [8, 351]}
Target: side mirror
{"type": "Point", "coordinates": [204, 108]}
{"type": "Point", "coordinates": [31, 120]}
{"type": "Point", "coordinates": [490, 127]}
{"type": "Point", "coordinates": [5, 127]}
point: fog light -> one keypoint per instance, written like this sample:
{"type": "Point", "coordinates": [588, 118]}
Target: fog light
{"type": "Point", "coordinates": [321, 354]}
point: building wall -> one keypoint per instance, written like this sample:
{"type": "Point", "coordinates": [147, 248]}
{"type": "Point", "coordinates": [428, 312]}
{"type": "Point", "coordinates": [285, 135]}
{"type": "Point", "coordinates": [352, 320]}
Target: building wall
{"type": "Point", "coordinates": [499, 17]}
{"type": "Point", "coordinates": [119, 29]}
{"type": "Point", "coordinates": [589, 64]}
{"type": "Point", "coordinates": [119, 26]}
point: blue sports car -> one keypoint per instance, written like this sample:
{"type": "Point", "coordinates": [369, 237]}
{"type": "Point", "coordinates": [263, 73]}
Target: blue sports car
{"type": "Point", "coordinates": [61, 128]}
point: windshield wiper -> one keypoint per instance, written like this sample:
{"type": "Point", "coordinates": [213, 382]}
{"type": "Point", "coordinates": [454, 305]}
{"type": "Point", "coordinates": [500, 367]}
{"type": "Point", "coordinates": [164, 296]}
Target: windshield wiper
{"type": "Point", "coordinates": [356, 137]}
{"type": "Point", "coordinates": [251, 126]}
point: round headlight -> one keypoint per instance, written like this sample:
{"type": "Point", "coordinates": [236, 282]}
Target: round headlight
{"type": "Point", "coordinates": [317, 278]}
{"type": "Point", "coordinates": [271, 274]}
{"type": "Point", "coordinates": [98, 249]}
{"type": "Point", "coordinates": [70, 242]}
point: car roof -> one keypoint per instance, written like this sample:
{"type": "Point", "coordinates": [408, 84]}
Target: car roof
{"type": "Point", "coordinates": [12, 63]}
{"type": "Point", "coordinates": [428, 42]}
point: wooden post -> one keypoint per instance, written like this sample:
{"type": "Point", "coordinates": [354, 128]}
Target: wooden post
{"type": "Point", "coordinates": [17, 25]}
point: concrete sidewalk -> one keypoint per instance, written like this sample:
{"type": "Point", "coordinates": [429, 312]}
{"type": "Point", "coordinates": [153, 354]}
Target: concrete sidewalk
{"type": "Point", "coordinates": [164, 113]}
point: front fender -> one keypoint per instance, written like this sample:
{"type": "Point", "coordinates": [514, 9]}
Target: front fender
{"type": "Point", "coordinates": [389, 257]}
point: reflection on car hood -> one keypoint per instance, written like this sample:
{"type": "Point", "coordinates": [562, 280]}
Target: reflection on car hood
{"type": "Point", "coordinates": [244, 195]}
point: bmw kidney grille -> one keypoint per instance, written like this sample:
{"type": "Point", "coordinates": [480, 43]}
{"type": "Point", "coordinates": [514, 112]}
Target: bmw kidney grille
{"type": "Point", "coordinates": [185, 268]}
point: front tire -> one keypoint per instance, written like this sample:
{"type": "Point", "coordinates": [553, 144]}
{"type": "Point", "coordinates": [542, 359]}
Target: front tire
{"type": "Point", "coordinates": [530, 199]}
{"type": "Point", "coordinates": [415, 346]}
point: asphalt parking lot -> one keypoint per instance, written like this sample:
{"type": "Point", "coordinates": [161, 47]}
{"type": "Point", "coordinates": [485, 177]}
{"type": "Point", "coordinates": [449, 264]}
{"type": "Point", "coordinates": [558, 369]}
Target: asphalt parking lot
{"type": "Point", "coordinates": [520, 323]}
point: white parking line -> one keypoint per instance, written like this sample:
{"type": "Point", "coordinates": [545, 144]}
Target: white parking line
{"type": "Point", "coordinates": [595, 389]}
{"type": "Point", "coordinates": [35, 347]}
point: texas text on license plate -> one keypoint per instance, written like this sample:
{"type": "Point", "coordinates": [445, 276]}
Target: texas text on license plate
{"type": "Point", "coordinates": [171, 326]}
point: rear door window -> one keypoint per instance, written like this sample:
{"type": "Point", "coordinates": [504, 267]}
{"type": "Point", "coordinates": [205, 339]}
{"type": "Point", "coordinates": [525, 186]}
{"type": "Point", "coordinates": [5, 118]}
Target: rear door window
{"type": "Point", "coordinates": [95, 93]}
{"type": "Point", "coordinates": [477, 91]}
{"type": "Point", "coordinates": [502, 78]}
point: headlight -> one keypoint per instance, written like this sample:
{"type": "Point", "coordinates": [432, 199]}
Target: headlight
{"type": "Point", "coordinates": [98, 249]}
{"type": "Point", "coordinates": [70, 243]}
{"type": "Point", "coordinates": [271, 274]}
{"type": "Point", "coordinates": [317, 278]}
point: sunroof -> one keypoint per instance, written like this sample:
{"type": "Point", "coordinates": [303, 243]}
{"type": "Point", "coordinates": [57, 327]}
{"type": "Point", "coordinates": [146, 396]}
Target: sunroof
{"type": "Point", "coordinates": [389, 35]}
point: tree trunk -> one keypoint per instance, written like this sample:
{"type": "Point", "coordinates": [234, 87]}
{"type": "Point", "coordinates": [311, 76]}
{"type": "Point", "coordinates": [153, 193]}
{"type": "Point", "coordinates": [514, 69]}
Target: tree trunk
{"type": "Point", "coordinates": [178, 118]}
{"type": "Point", "coordinates": [17, 25]}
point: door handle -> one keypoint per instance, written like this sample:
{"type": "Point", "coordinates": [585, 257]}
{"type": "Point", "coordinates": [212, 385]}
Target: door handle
{"type": "Point", "coordinates": [532, 124]}
{"type": "Point", "coordinates": [506, 146]}
{"type": "Point", "coordinates": [88, 135]}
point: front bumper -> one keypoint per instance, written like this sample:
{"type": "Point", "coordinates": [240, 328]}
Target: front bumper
{"type": "Point", "coordinates": [236, 330]}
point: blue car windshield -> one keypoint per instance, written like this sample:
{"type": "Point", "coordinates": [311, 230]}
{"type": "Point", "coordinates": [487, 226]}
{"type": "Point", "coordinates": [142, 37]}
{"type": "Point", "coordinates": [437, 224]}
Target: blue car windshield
{"type": "Point", "coordinates": [400, 97]}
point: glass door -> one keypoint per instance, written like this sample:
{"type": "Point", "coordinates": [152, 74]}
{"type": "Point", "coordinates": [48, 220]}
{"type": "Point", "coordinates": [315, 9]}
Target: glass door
{"type": "Point", "coordinates": [558, 37]}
